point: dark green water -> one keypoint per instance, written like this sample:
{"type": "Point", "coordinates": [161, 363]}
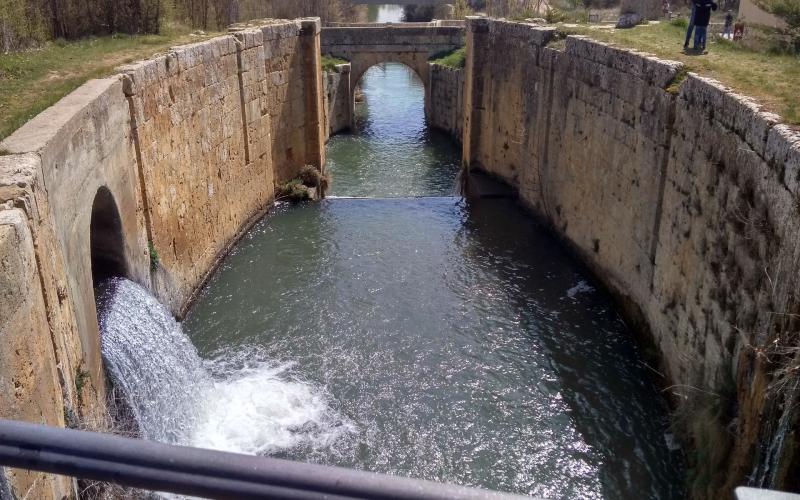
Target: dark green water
{"type": "Point", "coordinates": [427, 337]}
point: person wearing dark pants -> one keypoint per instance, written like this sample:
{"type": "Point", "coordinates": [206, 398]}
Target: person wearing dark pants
{"type": "Point", "coordinates": [702, 16]}
{"type": "Point", "coordinates": [689, 30]}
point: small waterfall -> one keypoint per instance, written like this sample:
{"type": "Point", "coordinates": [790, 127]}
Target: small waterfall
{"type": "Point", "coordinates": [248, 405]}
{"type": "Point", "coordinates": [150, 359]}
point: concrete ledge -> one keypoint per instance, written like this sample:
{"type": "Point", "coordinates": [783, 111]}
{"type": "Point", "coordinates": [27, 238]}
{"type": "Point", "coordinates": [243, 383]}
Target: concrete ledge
{"type": "Point", "coordinates": [59, 120]}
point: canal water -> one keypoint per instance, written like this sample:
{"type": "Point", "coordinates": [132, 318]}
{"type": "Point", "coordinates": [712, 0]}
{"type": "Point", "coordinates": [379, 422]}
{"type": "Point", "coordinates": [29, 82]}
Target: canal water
{"type": "Point", "coordinates": [395, 327]}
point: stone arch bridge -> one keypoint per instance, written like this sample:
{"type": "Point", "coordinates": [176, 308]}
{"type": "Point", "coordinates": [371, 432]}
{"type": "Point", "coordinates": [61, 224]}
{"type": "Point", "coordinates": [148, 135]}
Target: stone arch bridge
{"type": "Point", "coordinates": [413, 44]}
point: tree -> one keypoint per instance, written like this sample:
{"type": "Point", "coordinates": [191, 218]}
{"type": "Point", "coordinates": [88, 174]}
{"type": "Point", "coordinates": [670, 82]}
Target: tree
{"type": "Point", "coordinates": [788, 10]}
{"type": "Point", "coordinates": [461, 9]}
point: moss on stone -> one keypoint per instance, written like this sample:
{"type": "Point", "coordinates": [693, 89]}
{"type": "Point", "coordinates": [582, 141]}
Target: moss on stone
{"type": "Point", "coordinates": [153, 256]}
{"type": "Point", "coordinates": [329, 63]}
{"type": "Point", "coordinates": [675, 85]}
{"type": "Point", "coordinates": [453, 59]}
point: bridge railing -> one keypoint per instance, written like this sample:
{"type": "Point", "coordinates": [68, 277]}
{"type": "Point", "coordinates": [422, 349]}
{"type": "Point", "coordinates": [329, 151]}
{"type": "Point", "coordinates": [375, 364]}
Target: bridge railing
{"type": "Point", "coordinates": [206, 473]}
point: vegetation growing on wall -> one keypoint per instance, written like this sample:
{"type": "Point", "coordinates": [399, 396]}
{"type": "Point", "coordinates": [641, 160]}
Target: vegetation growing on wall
{"type": "Point", "coordinates": [294, 190]}
{"type": "Point", "coordinates": [312, 177]}
{"type": "Point", "coordinates": [329, 62]}
{"type": "Point", "coordinates": [454, 59]}
{"type": "Point", "coordinates": [81, 377]}
{"type": "Point", "coordinates": [154, 260]}
{"type": "Point", "coordinates": [300, 188]}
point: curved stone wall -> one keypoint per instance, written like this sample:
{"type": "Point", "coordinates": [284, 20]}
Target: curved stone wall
{"type": "Point", "coordinates": [683, 198]}
{"type": "Point", "coordinates": [190, 146]}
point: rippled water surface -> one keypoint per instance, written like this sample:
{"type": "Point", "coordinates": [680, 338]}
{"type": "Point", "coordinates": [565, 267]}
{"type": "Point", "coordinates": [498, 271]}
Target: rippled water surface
{"type": "Point", "coordinates": [440, 339]}
{"type": "Point", "coordinates": [393, 153]}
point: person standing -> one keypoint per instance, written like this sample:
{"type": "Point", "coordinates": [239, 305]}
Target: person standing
{"type": "Point", "coordinates": [727, 31]}
{"type": "Point", "coordinates": [702, 16]}
{"type": "Point", "coordinates": [689, 29]}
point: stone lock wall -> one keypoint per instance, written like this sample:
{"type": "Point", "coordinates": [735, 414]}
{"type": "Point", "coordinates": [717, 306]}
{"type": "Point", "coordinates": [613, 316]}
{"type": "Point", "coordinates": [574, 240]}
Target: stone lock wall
{"type": "Point", "coordinates": [294, 88]}
{"type": "Point", "coordinates": [244, 112]}
{"type": "Point", "coordinates": [59, 161]}
{"type": "Point", "coordinates": [682, 198]}
{"type": "Point", "coordinates": [446, 110]}
{"type": "Point", "coordinates": [190, 146]}
{"type": "Point", "coordinates": [338, 107]}
{"type": "Point", "coordinates": [29, 387]}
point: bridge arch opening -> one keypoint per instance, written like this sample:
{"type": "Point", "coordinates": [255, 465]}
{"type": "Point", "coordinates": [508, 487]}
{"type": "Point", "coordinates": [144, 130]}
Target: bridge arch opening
{"type": "Point", "coordinates": [107, 242]}
{"type": "Point", "coordinates": [386, 91]}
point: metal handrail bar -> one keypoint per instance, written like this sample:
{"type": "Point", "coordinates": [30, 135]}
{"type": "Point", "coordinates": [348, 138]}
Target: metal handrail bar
{"type": "Point", "coordinates": [206, 473]}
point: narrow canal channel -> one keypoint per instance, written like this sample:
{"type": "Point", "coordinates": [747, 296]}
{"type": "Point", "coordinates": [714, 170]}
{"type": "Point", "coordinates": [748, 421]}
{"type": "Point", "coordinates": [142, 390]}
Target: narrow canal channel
{"type": "Point", "coordinates": [411, 332]}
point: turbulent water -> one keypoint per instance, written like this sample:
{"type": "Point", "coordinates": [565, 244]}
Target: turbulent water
{"type": "Point", "coordinates": [405, 331]}
{"type": "Point", "coordinates": [242, 402]}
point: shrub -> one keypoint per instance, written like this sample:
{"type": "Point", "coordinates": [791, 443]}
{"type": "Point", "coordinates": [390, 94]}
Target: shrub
{"type": "Point", "coordinates": [553, 15]}
{"type": "Point", "coordinates": [453, 59]}
{"type": "Point", "coordinates": [329, 63]}
{"type": "Point", "coordinates": [294, 190]}
{"type": "Point", "coordinates": [312, 177]}
{"type": "Point", "coordinates": [680, 22]}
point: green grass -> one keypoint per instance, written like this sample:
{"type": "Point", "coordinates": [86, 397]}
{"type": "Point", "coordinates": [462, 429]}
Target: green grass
{"type": "Point", "coordinates": [771, 79]}
{"type": "Point", "coordinates": [675, 85]}
{"type": "Point", "coordinates": [32, 81]}
{"type": "Point", "coordinates": [453, 59]}
{"type": "Point", "coordinates": [329, 63]}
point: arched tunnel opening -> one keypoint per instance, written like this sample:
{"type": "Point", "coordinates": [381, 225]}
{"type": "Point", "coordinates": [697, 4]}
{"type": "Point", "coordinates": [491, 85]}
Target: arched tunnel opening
{"type": "Point", "coordinates": [107, 241]}
{"type": "Point", "coordinates": [107, 244]}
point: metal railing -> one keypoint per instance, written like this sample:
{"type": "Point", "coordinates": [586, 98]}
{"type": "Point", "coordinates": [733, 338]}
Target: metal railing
{"type": "Point", "coordinates": [206, 473]}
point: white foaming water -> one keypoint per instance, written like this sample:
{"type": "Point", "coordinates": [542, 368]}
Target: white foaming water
{"type": "Point", "coordinates": [256, 407]}
{"type": "Point", "coordinates": [260, 410]}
